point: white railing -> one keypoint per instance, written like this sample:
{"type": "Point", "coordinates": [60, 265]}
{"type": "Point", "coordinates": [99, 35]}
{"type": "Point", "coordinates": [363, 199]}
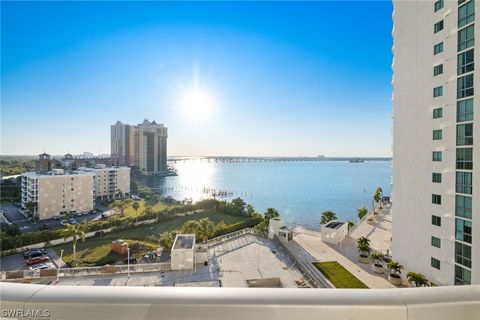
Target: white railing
{"type": "Point", "coordinates": [87, 271]}
{"type": "Point", "coordinates": [231, 235]}
{"type": "Point", "coordinates": [88, 302]}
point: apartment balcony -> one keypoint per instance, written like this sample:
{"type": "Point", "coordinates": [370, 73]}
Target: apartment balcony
{"type": "Point", "coordinates": [97, 302]}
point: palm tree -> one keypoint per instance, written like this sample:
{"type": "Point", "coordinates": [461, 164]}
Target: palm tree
{"type": "Point", "coordinates": [363, 246]}
{"type": "Point", "coordinates": [327, 216]}
{"type": "Point", "coordinates": [419, 279]}
{"type": "Point", "coordinates": [377, 258]}
{"type": "Point", "coordinates": [362, 212]}
{"type": "Point", "coordinates": [30, 206]}
{"type": "Point", "coordinates": [149, 211]}
{"type": "Point", "coordinates": [395, 268]}
{"type": "Point", "coordinates": [377, 196]}
{"type": "Point", "coordinates": [206, 229]}
{"type": "Point", "coordinates": [167, 239]}
{"type": "Point", "coordinates": [76, 232]}
{"type": "Point", "coordinates": [271, 213]}
{"type": "Point", "coordinates": [135, 206]}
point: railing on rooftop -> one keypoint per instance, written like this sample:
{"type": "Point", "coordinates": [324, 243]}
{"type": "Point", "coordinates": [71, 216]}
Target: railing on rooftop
{"type": "Point", "coordinates": [88, 302]}
{"type": "Point", "coordinates": [230, 236]}
{"type": "Point", "coordinates": [86, 271]}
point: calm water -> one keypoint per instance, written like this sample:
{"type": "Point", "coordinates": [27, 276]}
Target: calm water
{"type": "Point", "coordinates": [300, 191]}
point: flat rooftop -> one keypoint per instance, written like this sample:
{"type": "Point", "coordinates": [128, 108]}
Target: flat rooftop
{"type": "Point", "coordinates": [334, 224]}
{"type": "Point", "coordinates": [184, 241]}
{"type": "Point", "coordinates": [243, 261]}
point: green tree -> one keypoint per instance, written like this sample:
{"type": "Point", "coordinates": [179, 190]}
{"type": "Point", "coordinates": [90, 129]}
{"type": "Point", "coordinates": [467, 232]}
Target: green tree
{"type": "Point", "coordinates": [149, 211]}
{"type": "Point", "coordinates": [377, 196]}
{"type": "Point", "coordinates": [31, 206]}
{"type": "Point", "coordinates": [9, 230]}
{"type": "Point", "coordinates": [120, 205]}
{"type": "Point", "coordinates": [395, 268]}
{"type": "Point", "coordinates": [262, 226]}
{"type": "Point", "coordinates": [363, 246]}
{"type": "Point", "coordinates": [362, 212]}
{"type": "Point", "coordinates": [135, 207]}
{"type": "Point", "coordinates": [239, 206]}
{"type": "Point", "coordinates": [377, 258]}
{"type": "Point", "coordinates": [190, 226]}
{"type": "Point", "coordinates": [419, 279]}
{"type": "Point", "coordinates": [167, 239]}
{"type": "Point", "coordinates": [250, 211]}
{"type": "Point", "coordinates": [271, 213]}
{"type": "Point", "coordinates": [75, 231]}
{"type": "Point", "coordinates": [206, 229]}
{"type": "Point", "coordinates": [327, 216]}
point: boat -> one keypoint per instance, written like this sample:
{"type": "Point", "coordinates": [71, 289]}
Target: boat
{"type": "Point", "coordinates": [356, 160]}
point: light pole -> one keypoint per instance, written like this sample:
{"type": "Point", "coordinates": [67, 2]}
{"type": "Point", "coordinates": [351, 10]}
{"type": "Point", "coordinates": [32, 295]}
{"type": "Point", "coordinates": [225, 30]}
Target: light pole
{"type": "Point", "coordinates": [128, 262]}
{"type": "Point", "coordinates": [58, 269]}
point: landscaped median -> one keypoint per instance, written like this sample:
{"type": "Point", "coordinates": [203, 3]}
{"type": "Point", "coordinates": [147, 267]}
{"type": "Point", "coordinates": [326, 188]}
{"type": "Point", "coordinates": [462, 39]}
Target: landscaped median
{"type": "Point", "coordinates": [338, 275]}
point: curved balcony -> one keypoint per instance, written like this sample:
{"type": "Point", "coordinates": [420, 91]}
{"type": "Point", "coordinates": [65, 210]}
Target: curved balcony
{"type": "Point", "coordinates": [71, 302]}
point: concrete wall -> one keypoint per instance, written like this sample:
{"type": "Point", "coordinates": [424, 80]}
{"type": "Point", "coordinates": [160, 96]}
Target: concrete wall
{"type": "Point", "coordinates": [87, 302]}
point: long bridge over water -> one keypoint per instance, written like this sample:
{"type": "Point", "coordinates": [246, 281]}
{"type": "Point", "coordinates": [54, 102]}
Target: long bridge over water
{"type": "Point", "coordinates": [264, 159]}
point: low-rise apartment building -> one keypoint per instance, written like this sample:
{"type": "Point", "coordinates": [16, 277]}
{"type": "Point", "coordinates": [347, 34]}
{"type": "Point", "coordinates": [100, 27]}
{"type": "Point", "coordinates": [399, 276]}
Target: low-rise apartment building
{"type": "Point", "coordinates": [110, 182]}
{"type": "Point", "coordinates": [49, 194]}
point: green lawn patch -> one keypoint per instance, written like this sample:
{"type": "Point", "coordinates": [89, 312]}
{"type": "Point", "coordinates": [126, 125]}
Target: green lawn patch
{"type": "Point", "coordinates": [338, 275]}
{"type": "Point", "coordinates": [96, 251]}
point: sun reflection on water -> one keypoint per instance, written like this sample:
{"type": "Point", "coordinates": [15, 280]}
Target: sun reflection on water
{"type": "Point", "coordinates": [194, 178]}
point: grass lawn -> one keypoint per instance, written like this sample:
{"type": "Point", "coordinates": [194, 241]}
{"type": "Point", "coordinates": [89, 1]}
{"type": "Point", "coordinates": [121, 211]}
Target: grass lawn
{"type": "Point", "coordinates": [130, 212]}
{"type": "Point", "coordinates": [96, 251]}
{"type": "Point", "coordinates": [338, 275]}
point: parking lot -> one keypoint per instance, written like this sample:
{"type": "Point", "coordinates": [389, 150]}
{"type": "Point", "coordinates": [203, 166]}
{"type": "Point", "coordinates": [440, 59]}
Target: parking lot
{"type": "Point", "coordinates": [13, 214]}
{"type": "Point", "coordinates": [16, 262]}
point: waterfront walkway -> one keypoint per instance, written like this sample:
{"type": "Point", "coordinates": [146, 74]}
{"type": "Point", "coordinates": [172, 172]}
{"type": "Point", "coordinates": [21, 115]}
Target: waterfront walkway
{"type": "Point", "coordinates": [346, 252]}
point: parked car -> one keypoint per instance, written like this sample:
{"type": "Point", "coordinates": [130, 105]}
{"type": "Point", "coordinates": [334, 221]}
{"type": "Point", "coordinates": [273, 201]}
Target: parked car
{"type": "Point", "coordinates": [72, 221]}
{"type": "Point", "coordinates": [32, 253]}
{"type": "Point", "coordinates": [64, 222]}
{"type": "Point", "coordinates": [133, 260]}
{"type": "Point", "coordinates": [78, 214]}
{"type": "Point", "coordinates": [24, 228]}
{"type": "Point", "coordinates": [92, 211]}
{"type": "Point", "coordinates": [56, 217]}
{"type": "Point", "coordinates": [42, 266]}
{"type": "Point", "coordinates": [85, 213]}
{"type": "Point", "coordinates": [45, 226]}
{"type": "Point", "coordinates": [36, 260]}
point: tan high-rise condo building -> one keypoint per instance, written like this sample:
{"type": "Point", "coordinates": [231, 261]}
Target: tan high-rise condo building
{"type": "Point", "coordinates": [143, 146]}
{"type": "Point", "coordinates": [436, 140]}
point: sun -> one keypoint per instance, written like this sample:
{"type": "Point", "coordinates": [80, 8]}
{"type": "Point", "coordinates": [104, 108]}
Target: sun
{"type": "Point", "coordinates": [197, 104]}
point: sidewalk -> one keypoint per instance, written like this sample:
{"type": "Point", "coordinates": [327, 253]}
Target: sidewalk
{"type": "Point", "coordinates": [346, 252]}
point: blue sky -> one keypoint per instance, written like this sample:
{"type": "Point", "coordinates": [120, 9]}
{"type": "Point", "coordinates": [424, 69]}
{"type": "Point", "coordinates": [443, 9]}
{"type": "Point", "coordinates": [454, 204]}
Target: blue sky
{"type": "Point", "coordinates": [296, 79]}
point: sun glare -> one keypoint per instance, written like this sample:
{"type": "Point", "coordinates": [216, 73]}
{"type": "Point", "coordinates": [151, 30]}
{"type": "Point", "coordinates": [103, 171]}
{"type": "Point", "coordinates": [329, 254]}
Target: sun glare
{"type": "Point", "coordinates": [197, 105]}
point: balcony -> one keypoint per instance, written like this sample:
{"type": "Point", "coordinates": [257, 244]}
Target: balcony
{"type": "Point", "coordinates": [88, 302]}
